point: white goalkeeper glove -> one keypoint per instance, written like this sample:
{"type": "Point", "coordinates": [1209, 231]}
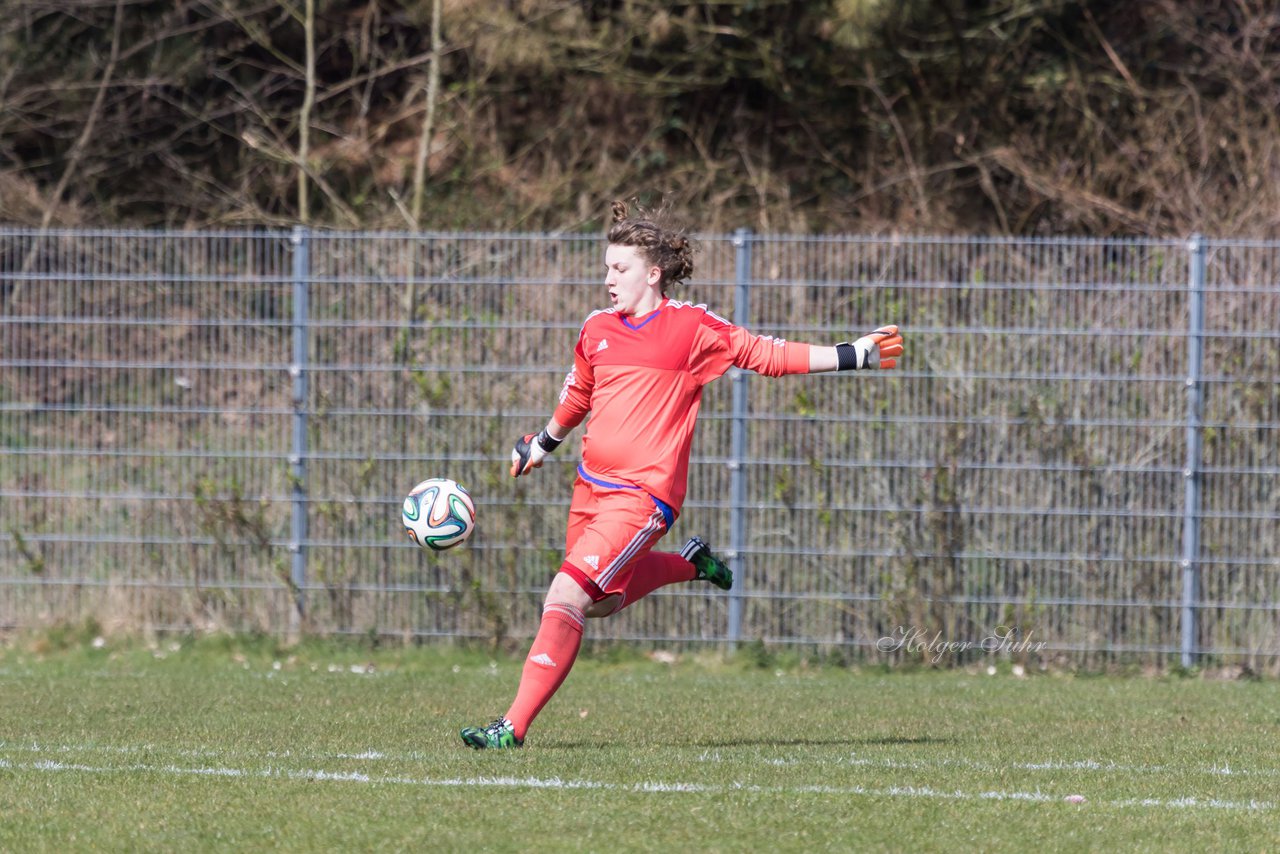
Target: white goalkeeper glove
{"type": "Point", "coordinates": [880, 349]}
{"type": "Point", "coordinates": [531, 450]}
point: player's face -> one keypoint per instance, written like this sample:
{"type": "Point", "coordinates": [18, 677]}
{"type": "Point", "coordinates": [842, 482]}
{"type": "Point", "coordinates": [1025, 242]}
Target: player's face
{"type": "Point", "coordinates": [633, 282]}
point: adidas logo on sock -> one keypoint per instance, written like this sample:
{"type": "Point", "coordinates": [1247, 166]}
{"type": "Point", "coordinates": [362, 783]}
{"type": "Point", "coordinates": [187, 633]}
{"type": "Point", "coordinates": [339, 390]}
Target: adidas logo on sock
{"type": "Point", "coordinates": [543, 659]}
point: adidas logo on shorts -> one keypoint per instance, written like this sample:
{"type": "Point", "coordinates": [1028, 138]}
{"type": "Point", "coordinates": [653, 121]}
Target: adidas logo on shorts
{"type": "Point", "coordinates": [592, 561]}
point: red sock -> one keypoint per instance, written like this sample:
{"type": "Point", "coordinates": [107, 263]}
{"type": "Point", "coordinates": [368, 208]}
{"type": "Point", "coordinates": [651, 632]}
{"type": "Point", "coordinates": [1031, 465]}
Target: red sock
{"type": "Point", "coordinates": [552, 655]}
{"type": "Point", "coordinates": [654, 570]}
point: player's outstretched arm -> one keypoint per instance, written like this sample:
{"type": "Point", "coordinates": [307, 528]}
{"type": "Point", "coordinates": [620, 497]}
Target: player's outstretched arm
{"type": "Point", "coordinates": [879, 349]}
{"type": "Point", "coordinates": [532, 449]}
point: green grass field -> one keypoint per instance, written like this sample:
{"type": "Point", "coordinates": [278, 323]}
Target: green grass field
{"type": "Point", "coordinates": [230, 745]}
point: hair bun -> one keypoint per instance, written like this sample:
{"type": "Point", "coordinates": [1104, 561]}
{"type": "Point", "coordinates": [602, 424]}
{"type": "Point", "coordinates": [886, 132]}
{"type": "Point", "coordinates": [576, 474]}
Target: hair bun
{"type": "Point", "coordinates": [665, 247]}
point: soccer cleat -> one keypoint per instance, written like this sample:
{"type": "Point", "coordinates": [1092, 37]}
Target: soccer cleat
{"type": "Point", "coordinates": [708, 566]}
{"type": "Point", "coordinates": [496, 736]}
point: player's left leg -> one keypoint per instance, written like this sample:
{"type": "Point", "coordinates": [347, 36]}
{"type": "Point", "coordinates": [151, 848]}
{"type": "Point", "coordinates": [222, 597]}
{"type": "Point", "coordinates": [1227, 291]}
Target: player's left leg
{"type": "Point", "coordinates": [695, 562]}
{"type": "Point", "coordinates": [654, 570]}
{"type": "Point", "coordinates": [707, 567]}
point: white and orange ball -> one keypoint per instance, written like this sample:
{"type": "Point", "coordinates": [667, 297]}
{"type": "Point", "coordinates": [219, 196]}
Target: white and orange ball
{"type": "Point", "coordinates": [438, 514]}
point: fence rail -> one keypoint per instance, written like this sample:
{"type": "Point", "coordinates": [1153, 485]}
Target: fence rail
{"type": "Point", "coordinates": [215, 430]}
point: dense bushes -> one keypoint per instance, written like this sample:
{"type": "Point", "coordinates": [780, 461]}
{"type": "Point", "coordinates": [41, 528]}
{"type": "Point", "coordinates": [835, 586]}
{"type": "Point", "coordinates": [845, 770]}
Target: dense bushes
{"type": "Point", "coordinates": [1013, 116]}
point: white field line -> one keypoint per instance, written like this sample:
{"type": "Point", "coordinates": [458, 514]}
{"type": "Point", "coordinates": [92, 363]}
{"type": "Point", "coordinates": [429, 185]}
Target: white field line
{"type": "Point", "coordinates": [314, 774]}
{"type": "Point", "coordinates": [1087, 765]}
{"type": "Point", "coordinates": [1224, 770]}
{"type": "Point", "coordinates": [708, 756]}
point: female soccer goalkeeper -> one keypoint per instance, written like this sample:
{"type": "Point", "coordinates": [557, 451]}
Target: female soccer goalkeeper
{"type": "Point", "coordinates": [639, 368]}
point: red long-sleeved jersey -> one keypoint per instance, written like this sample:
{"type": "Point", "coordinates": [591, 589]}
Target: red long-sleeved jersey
{"type": "Point", "coordinates": [641, 380]}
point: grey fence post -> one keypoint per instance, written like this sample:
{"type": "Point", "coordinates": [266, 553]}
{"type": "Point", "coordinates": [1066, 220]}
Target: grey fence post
{"type": "Point", "coordinates": [1191, 474]}
{"type": "Point", "coordinates": [298, 453]}
{"type": "Point", "coordinates": [738, 439]}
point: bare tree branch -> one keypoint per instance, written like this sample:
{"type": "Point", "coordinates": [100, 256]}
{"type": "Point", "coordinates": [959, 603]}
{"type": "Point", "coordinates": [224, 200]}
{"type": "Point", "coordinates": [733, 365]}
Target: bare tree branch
{"type": "Point", "coordinates": [304, 114]}
{"type": "Point", "coordinates": [78, 149]}
{"type": "Point", "coordinates": [429, 118]}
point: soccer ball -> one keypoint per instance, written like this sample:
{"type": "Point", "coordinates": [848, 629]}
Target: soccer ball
{"type": "Point", "coordinates": [438, 514]}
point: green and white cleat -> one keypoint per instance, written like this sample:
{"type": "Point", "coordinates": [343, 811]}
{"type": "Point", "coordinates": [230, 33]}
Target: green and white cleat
{"type": "Point", "coordinates": [709, 567]}
{"type": "Point", "coordinates": [496, 736]}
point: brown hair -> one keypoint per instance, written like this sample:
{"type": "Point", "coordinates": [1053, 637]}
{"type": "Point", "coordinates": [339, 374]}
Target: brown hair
{"type": "Point", "coordinates": [666, 248]}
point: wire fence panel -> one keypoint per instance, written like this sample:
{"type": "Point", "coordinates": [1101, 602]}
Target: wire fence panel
{"type": "Point", "coordinates": [216, 430]}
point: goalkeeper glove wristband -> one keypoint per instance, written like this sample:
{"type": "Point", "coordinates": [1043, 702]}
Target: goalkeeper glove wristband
{"type": "Point", "coordinates": [530, 451]}
{"type": "Point", "coordinates": [880, 349]}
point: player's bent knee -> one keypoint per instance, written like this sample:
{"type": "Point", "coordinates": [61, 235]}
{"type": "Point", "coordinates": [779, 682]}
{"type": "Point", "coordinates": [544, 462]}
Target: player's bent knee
{"type": "Point", "coordinates": [565, 590]}
{"type": "Point", "coordinates": [604, 607]}
{"type": "Point", "coordinates": [572, 587]}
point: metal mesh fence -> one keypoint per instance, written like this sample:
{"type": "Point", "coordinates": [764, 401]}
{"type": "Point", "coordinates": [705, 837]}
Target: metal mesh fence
{"type": "Point", "coordinates": [215, 430]}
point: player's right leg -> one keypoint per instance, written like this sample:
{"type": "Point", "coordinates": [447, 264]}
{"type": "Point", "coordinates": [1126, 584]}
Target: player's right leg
{"type": "Point", "coordinates": [550, 658]}
{"type": "Point", "coordinates": [496, 736]}
{"type": "Point", "coordinates": [556, 645]}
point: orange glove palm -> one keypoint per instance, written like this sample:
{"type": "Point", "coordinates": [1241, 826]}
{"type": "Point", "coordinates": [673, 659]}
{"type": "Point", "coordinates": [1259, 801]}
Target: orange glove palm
{"type": "Point", "coordinates": [530, 451]}
{"type": "Point", "coordinates": [880, 349]}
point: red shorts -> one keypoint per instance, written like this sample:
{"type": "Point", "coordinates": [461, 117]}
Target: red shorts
{"type": "Point", "coordinates": [611, 526]}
